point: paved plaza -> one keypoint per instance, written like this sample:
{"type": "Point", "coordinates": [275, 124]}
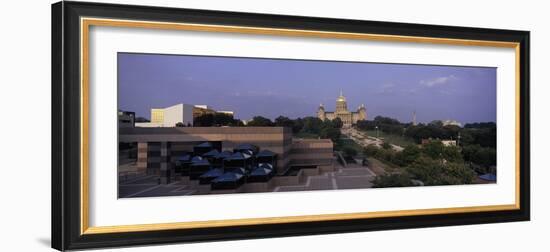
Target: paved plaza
{"type": "Point", "coordinates": [354, 176]}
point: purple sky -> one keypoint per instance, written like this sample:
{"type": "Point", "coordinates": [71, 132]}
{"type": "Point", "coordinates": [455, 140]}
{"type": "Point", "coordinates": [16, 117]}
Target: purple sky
{"type": "Point", "coordinates": [295, 88]}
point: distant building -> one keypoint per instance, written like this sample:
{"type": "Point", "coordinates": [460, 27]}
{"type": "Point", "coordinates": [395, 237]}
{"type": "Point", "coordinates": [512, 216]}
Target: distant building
{"type": "Point", "coordinates": [342, 112]}
{"type": "Point", "coordinates": [448, 142]}
{"type": "Point", "coordinates": [184, 113]}
{"type": "Point", "coordinates": [126, 119]}
{"type": "Point", "coordinates": [231, 113]}
{"type": "Point", "coordinates": [170, 116]}
{"type": "Point", "coordinates": [200, 110]}
{"type": "Point", "coordinates": [451, 122]}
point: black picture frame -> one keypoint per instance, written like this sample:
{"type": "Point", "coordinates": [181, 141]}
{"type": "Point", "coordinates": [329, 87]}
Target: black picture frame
{"type": "Point", "coordinates": [66, 156]}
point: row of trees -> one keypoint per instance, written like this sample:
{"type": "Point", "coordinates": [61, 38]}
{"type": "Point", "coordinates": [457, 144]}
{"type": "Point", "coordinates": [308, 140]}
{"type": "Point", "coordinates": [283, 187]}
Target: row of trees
{"type": "Point", "coordinates": [433, 164]}
{"type": "Point", "coordinates": [310, 125]}
{"type": "Point", "coordinates": [384, 124]}
{"type": "Point", "coordinates": [483, 134]}
{"type": "Point", "coordinates": [216, 119]}
{"type": "Point", "coordinates": [477, 141]}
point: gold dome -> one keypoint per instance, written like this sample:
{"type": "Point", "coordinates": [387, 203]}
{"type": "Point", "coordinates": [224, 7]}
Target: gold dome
{"type": "Point", "coordinates": [341, 98]}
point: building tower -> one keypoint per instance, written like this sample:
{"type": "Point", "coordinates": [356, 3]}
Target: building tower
{"type": "Point", "coordinates": [321, 112]}
{"type": "Point", "coordinates": [414, 118]}
{"type": "Point", "coordinates": [341, 104]}
{"type": "Point", "coordinates": [362, 113]}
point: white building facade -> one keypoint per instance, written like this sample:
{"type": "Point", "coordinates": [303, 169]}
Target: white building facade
{"type": "Point", "coordinates": [170, 116]}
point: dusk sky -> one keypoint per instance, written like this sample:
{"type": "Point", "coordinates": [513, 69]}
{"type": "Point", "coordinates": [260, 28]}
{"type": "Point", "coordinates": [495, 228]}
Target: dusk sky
{"type": "Point", "coordinates": [295, 88]}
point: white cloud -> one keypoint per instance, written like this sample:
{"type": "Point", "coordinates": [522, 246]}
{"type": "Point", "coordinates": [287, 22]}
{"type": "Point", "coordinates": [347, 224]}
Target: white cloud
{"type": "Point", "coordinates": [386, 88]}
{"type": "Point", "coordinates": [439, 81]}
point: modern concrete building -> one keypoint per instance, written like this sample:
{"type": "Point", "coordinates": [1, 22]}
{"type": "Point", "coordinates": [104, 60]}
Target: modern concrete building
{"type": "Point", "coordinates": [200, 110]}
{"type": "Point", "coordinates": [170, 116]}
{"type": "Point", "coordinates": [126, 119]}
{"type": "Point", "coordinates": [342, 112]}
{"type": "Point", "coordinates": [158, 148]}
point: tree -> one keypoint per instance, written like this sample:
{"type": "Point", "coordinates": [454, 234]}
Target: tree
{"type": "Point", "coordinates": [337, 123]}
{"type": "Point", "coordinates": [408, 155]}
{"type": "Point", "coordinates": [366, 125]}
{"type": "Point", "coordinates": [283, 121]}
{"type": "Point", "coordinates": [480, 125]}
{"type": "Point", "coordinates": [349, 152]}
{"type": "Point", "coordinates": [436, 123]}
{"type": "Point", "coordinates": [436, 172]}
{"type": "Point", "coordinates": [298, 124]}
{"type": "Point", "coordinates": [452, 154]}
{"type": "Point", "coordinates": [433, 149]}
{"type": "Point", "coordinates": [485, 156]}
{"type": "Point", "coordinates": [392, 180]}
{"type": "Point", "coordinates": [205, 120]}
{"type": "Point", "coordinates": [386, 120]}
{"type": "Point", "coordinates": [332, 133]}
{"type": "Point", "coordinates": [312, 125]}
{"type": "Point", "coordinates": [260, 121]}
{"type": "Point", "coordinates": [370, 150]}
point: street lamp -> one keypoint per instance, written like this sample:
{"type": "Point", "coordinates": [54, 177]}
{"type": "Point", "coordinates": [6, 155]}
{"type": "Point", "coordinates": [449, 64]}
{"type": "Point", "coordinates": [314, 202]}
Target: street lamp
{"type": "Point", "coordinates": [376, 131]}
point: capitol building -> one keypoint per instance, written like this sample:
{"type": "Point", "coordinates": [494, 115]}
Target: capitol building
{"type": "Point", "coordinates": [342, 112]}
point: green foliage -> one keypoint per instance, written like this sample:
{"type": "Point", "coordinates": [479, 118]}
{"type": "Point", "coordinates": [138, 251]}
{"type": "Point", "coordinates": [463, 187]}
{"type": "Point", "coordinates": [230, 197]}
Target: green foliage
{"type": "Point", "coordinates": [297, 126]}
{"type": "Point", "coordinates": [312, 125]}
{"type": "Point", "coordinates": [215, 119]}
{"type": "Point", "coordinates": [384, 124]}
{"type": "Point", "coordinates": [481, 125]}
{"type": "Point", "coordinates": [483, 134]}
{"type": "Point", "coordinates": [329, 132]}
{"type": "Point", "coordinates": [386, 146]}
{"type": "Point", "coordinates": [436, 150]}
{"type": "Point", "coordinates": [283, 121]}
{"type": "Point", "coordinates": [433, 149]}
{"type": "Point", "coordinates": [366, 125]}
{"type": "Point", "coordinates": [408, 155]}
{"type": "Point", "coordinates": [421, 131]}
{"type": "Point", "coordinates": [180, 124]}
{"type": "Point", "coordinates": [386, 120]}
{"type": "Point", "coordinates": [436, 123]}
{"type": "Point", "coordinates": [260, 121]}
{"type": "Point", "coordinates": [349, 152]}
{"type": "Point", "coordinates": [324, 129]}
{"type": "Point", "coordinates": [438, 172]}
{"type": "Point", "coordinates": [452, 154]}
{"type": "Point", "coordinates": [484, 156]}
{"type": "Point", "coordinates": [392, 180]}
{"type": "Point", "coordinates": [370, 151]}
{"type": "Point", "coordinates": [386, 155]}
{"type": "Point", "coordinates": [337, 123]}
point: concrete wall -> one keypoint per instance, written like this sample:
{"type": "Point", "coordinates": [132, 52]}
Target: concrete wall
{"type": "Point", "coordinates": [178, 113]}
{"type": "Point", "coordinates": [311, 152]}
{"type": "Point", "coordinates": [276, 139]}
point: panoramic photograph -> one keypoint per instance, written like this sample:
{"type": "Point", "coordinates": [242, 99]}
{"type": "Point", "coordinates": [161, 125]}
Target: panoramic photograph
{"type": "Point", "coordinates": [198, 125]}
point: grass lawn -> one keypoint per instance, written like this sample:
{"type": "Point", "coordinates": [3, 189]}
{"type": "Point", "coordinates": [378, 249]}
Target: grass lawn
{"type": "Point", "coordinates": [380, 167]}
{"type": "Point", "coordinates": [391, 138]}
